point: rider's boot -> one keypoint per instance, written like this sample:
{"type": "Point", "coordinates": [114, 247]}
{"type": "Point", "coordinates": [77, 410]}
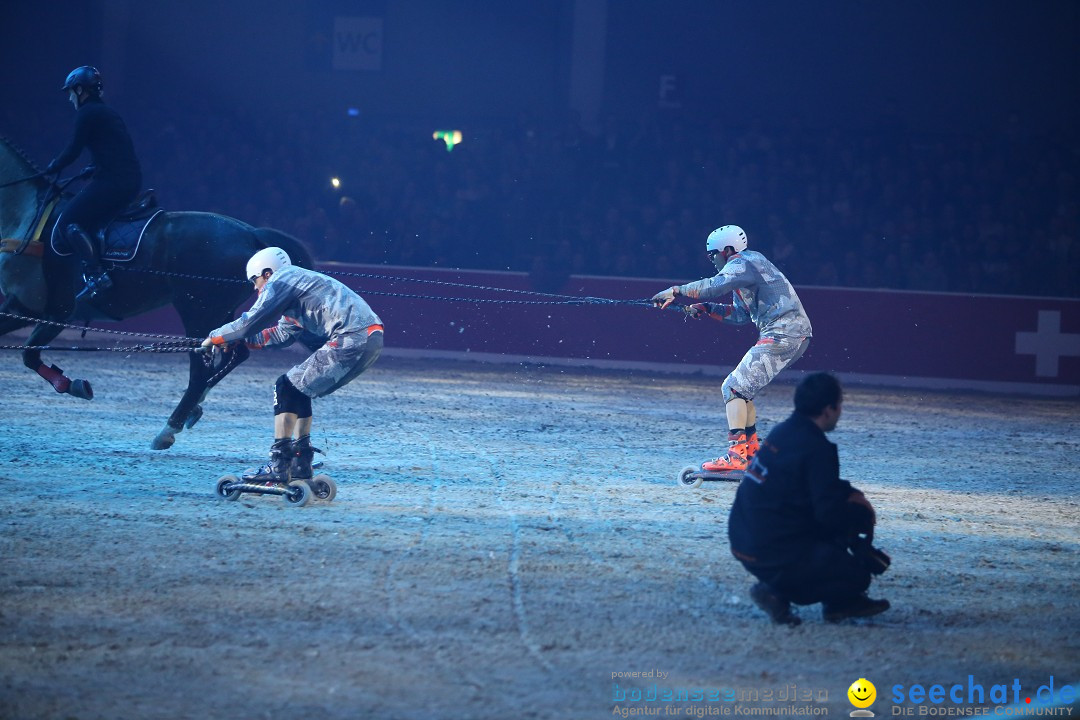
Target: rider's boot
{"type": "Point", "coordinates": [734, 460]}
{"type": "Point", "coordinates": [97, 280]}
{"type": "Point", "coordinates": [303, 454]}
{"type": "Point", "coordinates": [277, 470]}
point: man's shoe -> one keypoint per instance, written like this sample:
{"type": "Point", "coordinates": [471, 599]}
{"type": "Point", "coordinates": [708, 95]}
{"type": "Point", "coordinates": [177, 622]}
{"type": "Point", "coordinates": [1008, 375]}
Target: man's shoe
{"type": "Point", "coordinates": [277, 470]}
{"type": "Point", "coordinates": [776, 607]}
{"type": "Point", "coordinates": [730, 463]}
{"type": "Point", "coordinates": [303, 456]}
{"type": "Point", "coordinates": [734, 461]}
{"type": "Point", "coordinates": [860, 606]}
{"type": "Point", "coordinates": [752, 446]}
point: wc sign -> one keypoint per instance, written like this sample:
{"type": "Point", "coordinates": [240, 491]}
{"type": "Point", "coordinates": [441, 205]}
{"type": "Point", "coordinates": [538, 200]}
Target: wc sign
{"type": "Point", "coordinates": [357, 43]}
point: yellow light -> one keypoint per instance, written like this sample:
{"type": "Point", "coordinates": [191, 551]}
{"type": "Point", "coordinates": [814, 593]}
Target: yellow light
{"type": "Point", "coordinates": [336, 182]}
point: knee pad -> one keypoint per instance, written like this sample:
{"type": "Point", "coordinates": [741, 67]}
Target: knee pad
{"type": "Point", "coordinates": [730, 392]}
{"type": "Point", "coordinates": [287, 399]}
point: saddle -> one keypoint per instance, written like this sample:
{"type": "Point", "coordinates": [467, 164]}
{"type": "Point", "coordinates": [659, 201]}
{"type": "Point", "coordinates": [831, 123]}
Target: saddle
{"type": "Point", "coordinates": [144, 206]}
{"type": "Point", "coordinates": [119, 240]}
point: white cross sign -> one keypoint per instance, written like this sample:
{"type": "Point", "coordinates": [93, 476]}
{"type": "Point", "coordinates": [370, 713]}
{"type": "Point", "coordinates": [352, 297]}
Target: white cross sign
{"type": "Point", "coordinates": [1048, 343]}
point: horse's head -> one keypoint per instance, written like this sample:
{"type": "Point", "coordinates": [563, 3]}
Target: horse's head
{"type": "Point", "coordinates": [20, 276]}
{"type": "Point", "coordinates": [18, 200]}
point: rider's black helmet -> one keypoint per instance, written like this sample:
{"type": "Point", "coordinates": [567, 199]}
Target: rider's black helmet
{"type": "Point", "coordinates": [87, 76]}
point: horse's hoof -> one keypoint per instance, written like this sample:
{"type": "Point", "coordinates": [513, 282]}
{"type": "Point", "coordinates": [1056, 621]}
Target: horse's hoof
{"type": "Point", "coordinates": [81, 389]}
{"type": "Point", "coordinates": [165, 438]}
{"type": "Point", "coordinates": [194, 417]}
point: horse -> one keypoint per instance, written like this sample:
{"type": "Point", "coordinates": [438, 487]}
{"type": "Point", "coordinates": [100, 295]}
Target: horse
{"type": "Point", "coordinates": [184, 259]}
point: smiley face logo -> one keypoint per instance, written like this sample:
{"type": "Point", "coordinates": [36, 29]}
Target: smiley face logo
{"type": "Point", "coordinates": [862, 693]}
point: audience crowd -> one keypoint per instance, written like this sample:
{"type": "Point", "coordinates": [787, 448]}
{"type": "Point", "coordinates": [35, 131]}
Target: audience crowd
{"type": "Point", "coordinates": [878, 208]}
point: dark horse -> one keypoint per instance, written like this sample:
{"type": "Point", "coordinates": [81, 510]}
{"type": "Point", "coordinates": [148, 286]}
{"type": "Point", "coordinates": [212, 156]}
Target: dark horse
{"type": "Point", "coordinates": [178, 243]}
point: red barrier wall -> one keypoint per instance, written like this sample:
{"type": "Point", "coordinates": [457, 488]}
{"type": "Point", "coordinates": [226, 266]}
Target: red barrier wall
{"type": "Point", "coordinates": [932, 340]}
{"type": "Point", "coordinates": [922, 339]}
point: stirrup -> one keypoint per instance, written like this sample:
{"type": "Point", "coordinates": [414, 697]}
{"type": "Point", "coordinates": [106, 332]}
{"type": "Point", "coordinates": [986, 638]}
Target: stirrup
{"type": "Point", "coordinates": [95, 285]}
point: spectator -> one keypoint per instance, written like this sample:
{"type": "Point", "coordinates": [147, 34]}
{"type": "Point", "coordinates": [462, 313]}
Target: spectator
{"type": "Point", "coordinates": [804, 533]}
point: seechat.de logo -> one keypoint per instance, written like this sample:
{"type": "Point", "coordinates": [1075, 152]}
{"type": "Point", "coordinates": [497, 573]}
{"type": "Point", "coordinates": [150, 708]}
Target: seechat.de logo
{"type": "Point", "coordinates": [862, 694]}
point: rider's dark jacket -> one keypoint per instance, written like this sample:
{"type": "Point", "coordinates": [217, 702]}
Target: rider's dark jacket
{"type": "Point", "coordinates": [117, 175]}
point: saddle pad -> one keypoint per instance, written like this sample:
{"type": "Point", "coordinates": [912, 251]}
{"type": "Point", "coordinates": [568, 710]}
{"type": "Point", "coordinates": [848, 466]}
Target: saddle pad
{"type": "Point", "coordinates": [119, 242]}
{"type": "Point", "coordinates": [122, 238]}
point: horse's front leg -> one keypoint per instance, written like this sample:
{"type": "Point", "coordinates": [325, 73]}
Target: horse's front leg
{"type": "Point", "coordinates": [197, 374]}
{"type": "Point", "coordinates": [43, 334]}
{"type": "Point", "coordinates": [11, 307]}
{"type": "Point", "coordinates": [201, 377]}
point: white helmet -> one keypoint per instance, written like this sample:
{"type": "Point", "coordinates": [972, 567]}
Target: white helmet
{"type": "Point", "coordinates": [272, 258]}
{"type": "Point", "coordinates": [722, 237]}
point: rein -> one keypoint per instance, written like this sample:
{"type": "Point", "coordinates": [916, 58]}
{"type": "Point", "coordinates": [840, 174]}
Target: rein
{"type": "Point", "coordinates": [28, 178]}
{"type": "Point", "coordinates": [44, 207]}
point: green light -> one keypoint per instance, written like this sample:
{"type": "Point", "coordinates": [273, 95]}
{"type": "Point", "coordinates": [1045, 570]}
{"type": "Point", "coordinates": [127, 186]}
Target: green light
{"type": "Point", "coordinates": [450, 137]}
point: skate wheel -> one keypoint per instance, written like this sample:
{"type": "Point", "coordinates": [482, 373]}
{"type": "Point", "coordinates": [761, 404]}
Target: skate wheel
{"type": "Point", "coordinates": [687, 479]}
{"type": "Point", "coordinates": [299, 493]}
{"type": "Point", "coordinates": [223, 483]}
{"type": "Point", "coordinates": [324, 487]}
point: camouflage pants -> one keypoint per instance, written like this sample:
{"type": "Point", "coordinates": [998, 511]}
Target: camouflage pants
{"type": "Point", "coordinates": [337, 363]}
{"type": "Point", "coordinates": [761, 364]}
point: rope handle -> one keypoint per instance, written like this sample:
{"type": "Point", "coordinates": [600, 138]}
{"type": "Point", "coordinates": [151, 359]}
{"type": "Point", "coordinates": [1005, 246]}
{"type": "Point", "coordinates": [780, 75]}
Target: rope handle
{"type": "Point", "coordinates": [179, 343]}
{"type": "Point", "coordinates": [151, 348]}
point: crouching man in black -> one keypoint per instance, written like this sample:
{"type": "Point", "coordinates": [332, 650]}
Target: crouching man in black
{"type": "Point", "coordinates": [804, 533]}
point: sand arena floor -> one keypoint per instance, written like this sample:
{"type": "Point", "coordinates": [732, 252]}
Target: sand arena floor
{"type": "Point", "coordinates": [506, 539]}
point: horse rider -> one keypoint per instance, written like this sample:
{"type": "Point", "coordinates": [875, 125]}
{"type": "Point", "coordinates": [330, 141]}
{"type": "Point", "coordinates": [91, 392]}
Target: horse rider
{"type": "Point", "coordinates": [116, 177]}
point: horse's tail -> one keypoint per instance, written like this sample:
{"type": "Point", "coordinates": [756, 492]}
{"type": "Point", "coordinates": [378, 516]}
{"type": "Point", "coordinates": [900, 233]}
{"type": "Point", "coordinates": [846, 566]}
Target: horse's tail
{"type": "Point", "coordinates": [297, 250]}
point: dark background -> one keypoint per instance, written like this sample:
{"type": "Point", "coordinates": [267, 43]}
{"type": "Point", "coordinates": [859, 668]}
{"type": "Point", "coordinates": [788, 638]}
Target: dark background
{"type": "Point", "coordinates": [918, 145]}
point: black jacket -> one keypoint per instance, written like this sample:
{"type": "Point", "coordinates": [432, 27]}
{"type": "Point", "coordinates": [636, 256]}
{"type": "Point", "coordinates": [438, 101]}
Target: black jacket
{"type": "Point", "coordinates": [100, 129]}
{"type": "Point", "coordinates": [791, 497]}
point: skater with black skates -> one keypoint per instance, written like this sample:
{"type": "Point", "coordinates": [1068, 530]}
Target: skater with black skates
{"type": "Point", "coordinates": [303, 302]}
